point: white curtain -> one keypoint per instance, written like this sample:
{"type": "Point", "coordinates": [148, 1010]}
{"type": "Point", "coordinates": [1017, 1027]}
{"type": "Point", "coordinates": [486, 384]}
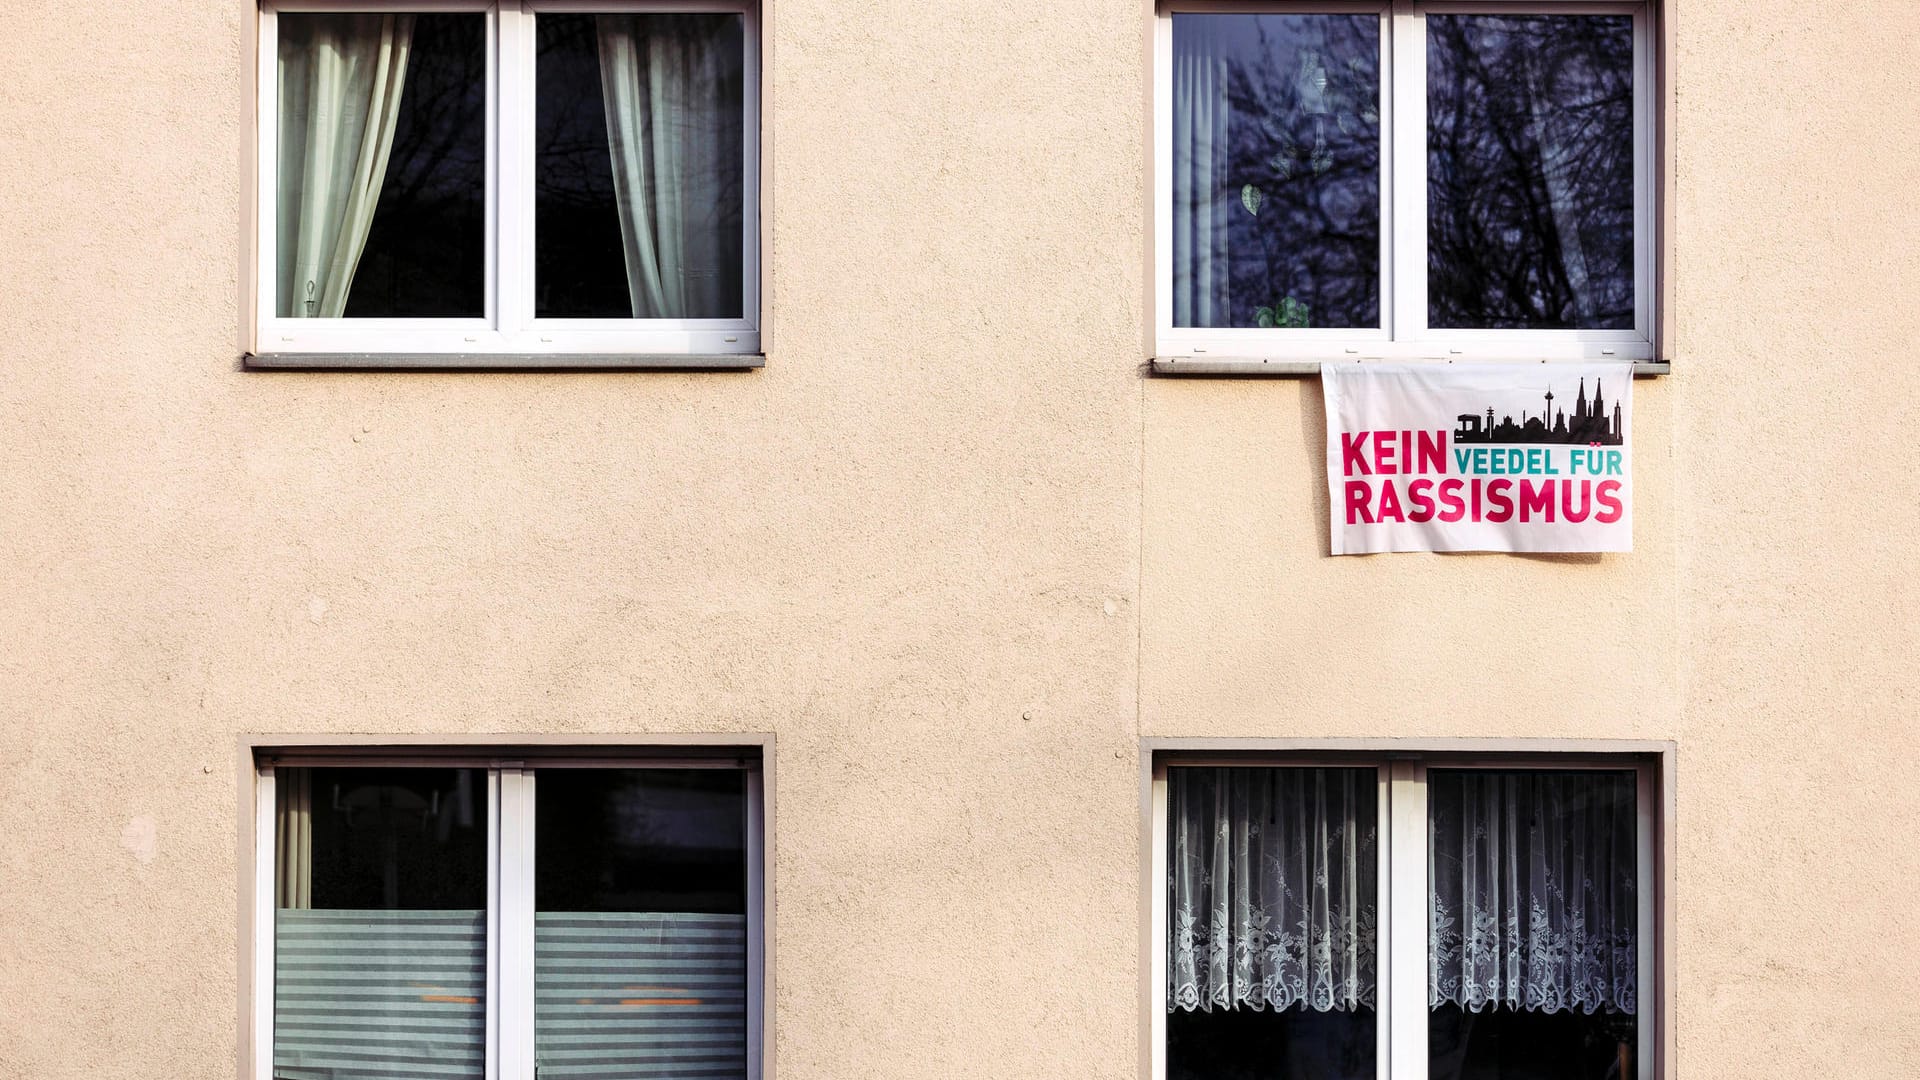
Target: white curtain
{"type": "Point", "coordinates": [293, 838]}
{"type": "Point", "coordinates": [1531, 882]}
{"type": "Point", "coordinates": [1201, 154]}
{"type": "Point", "coordinates": [671, 135]}
{"type": "Point", "coordinates": [341, 77]}
{"type": "Point", "coordinates": [1271, 888]}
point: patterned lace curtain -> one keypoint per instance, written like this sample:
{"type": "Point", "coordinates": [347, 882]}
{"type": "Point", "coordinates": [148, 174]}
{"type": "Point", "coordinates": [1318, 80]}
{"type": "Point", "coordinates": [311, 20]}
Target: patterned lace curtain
{"type": "Point", "coordinates": [1271, 888]}
{"type": "Point", "coordinates": [1532, 890]}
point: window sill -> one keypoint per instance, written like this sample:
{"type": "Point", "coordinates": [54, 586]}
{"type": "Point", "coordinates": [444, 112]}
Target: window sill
{"type": "Point", "coordinates": [1286, 368]}
{"type": "Point", "coordinates": [351, 361]}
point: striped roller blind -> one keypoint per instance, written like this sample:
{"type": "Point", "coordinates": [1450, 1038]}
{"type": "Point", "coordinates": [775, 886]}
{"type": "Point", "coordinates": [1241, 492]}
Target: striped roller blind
{"type": "Point", "coordinates": [644, 994]}
{"type": "Point", "coordinates": [379, 995]}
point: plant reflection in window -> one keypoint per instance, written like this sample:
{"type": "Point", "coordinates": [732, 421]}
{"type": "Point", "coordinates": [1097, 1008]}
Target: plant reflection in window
{"type": "Point", "coordinates": [1299, 168]}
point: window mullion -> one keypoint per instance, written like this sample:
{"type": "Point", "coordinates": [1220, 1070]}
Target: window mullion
{"type": "Point", "coordinates": [756, 922]}
{"type": "Point", "coordinates": [266, 226]}
{"type": "Point", "coordinates": [1646, 938]}
{"type": "Point", "coordinates": [1383, 928]}
{"type": "Point", "coordinates": [1409, 172]}
{"type": "Point", "coordinates": [509, 166]}
{"type": "Point", "coordinates": [750, 224]}
{"type": "Point", "coordinates": [1644, 155]}
{"type": "Point", "coordinates": [515, 906]}
{"type": "Point", "coordinates": [1406, 1012]}
{"type": "Point", "coordinates": [493, 924]}
{"type": "Point", "coordinates": [1157, 904]}
{"type": "Point", "coordinates": [1389, 274]}
{"type": "Point", "coordinates": [265, 868]}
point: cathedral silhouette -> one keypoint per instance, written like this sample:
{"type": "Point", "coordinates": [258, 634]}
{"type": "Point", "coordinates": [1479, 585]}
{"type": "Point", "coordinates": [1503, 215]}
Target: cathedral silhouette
{"type": "Point", "coordinates": [1590, 424]}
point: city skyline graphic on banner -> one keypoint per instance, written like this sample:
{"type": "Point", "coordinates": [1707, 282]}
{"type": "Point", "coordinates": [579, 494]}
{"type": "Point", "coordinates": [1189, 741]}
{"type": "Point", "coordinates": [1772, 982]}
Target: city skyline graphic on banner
{"type": "Point", "coordinates": [1590, 423]}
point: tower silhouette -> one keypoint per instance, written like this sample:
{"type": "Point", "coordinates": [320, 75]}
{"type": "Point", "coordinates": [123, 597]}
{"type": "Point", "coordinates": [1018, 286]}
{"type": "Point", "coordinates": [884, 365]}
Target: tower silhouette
{"type": "Point", "coordinates": [1588, 423]}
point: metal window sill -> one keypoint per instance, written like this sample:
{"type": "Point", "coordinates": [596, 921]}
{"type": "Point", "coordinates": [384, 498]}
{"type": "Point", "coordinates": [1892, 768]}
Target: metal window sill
{"type": "Point", "coordinates": [347, 361]}
{"type": "Point", "coordinates": [1258, 366]}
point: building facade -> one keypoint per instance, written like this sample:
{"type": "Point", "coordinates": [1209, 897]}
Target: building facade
{"type": "Point", "coordinates": [932, 552]}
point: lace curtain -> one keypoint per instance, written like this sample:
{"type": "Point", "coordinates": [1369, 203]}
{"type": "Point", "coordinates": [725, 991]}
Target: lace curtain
{"type": "Point", "coordinates": [1271, 888]}
{"type": "Point", "coordinates": [1531, 879]}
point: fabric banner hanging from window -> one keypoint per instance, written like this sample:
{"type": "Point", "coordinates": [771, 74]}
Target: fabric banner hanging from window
{"type": "Point", "coordinates": [1479, 457]}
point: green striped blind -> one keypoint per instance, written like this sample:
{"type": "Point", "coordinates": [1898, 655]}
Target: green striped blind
{"type": "Point", "coordinates": [660, 995]}
{"type": "Point", "coordinates": [379, 995]}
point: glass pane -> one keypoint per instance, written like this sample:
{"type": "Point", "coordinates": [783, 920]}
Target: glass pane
{"type": "Point", "coordinates": [382, 170]}
{"type": "Point", "coordinates": [380, 931]}
{"type": "Point", "coordinates": [1276, 170]}
{"type": "Point", "coordinates": [1271, 928]}
{"type": "Point", "coordinates": [639, 166]}
{"type": "Point", "coordinates": [1530, 171]}
{"type": "Point", "coordinates": [640, 927]}
{"type": "Point", "coordinates": [1533, 925]}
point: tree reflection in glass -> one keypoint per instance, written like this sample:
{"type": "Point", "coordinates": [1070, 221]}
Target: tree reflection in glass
{"type": "Point", "coordinates": [639, 165]}
{"type": "Point", "coordinates": [426, 249]}
{"type": "Point", "coordinates": [1276, 170]}
{"type": "Point", "coordinates": [1530, 171]}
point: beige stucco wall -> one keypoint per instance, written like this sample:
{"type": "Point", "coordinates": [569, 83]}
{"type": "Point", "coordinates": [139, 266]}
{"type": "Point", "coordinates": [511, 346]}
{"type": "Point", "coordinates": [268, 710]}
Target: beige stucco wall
{"type": "Point", "coordinates": [950, 547]}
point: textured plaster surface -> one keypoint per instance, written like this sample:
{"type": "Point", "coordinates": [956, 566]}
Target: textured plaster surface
{"type": "Point", "coordinates": [949, 547]}
{"type": "Point", "coordinates": [1766, 620]}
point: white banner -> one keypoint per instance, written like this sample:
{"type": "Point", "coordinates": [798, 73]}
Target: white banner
{"type": "Point", "coordinates": [1480, 457]}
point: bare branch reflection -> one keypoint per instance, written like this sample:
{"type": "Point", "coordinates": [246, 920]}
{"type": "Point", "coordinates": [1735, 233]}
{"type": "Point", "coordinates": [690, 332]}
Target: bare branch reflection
{"type": "Point", "coordinates": [426, 249]}
{"type": "Point", "coordinates": [1530, 171]}
{"type": "Point", "coordinates": [580, 267]}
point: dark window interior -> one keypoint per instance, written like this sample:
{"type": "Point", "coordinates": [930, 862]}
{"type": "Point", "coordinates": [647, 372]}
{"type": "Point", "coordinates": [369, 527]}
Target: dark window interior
{"type": "Point", "coordinates": [628, 840]}
{"type": "Point", "coordinates": [426, 249]}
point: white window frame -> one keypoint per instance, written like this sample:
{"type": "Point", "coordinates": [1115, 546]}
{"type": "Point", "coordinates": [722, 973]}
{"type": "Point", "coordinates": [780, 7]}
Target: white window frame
{"type": "Point", "coordinates": [510, 889]}
{"type": "Point", "coordinates": [1400, 1028]}
{"type": "Point", "coordinates": [508, 326]}
{"type": "Point", "coordinates": [1404, 333]}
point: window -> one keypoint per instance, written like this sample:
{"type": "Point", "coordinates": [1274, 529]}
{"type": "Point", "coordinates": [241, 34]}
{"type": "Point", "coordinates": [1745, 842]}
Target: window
{"type": "Point", "coordinates": [477, 919]}
{"type": "Point", "coordinates": [460, 177]}
{"type": "Point", "coordinates": [1443, 919]}
{"type": "Point", "coordinates": [1404, 179]}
